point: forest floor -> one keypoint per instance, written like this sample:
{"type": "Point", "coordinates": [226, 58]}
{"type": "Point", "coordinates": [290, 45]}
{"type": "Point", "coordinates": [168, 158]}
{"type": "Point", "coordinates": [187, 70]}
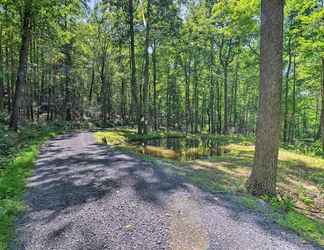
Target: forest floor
{"type": "Point", "coordinates": [300, 206]}
{"type": "Point", "coordinates": [83, 195]}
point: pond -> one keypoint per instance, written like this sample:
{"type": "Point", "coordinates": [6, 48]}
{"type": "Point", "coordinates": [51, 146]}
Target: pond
{"type": "Point", "coordinates": [181, 148]}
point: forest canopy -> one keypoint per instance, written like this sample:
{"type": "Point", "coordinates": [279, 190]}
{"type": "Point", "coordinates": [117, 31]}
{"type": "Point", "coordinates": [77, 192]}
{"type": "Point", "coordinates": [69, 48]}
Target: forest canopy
{"type": "Point", "coordinates": [183, 65]}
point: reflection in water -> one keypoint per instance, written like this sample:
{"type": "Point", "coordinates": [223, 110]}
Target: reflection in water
{"type": "Point", "coordinates": [182, 148]}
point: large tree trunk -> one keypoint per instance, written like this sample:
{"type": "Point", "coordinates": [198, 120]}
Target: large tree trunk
{"type": "Point", "coordinates": [135, 104]}
{"type": "Point", "coordinates": [23, 59]}
{"type": "Point", "coordinates": [322, 110]}
{"type": "Point", "coordinates": [262, 180]}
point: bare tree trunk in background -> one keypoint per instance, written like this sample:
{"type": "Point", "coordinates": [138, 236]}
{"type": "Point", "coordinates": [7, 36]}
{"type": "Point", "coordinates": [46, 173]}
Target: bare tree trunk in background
{"type": "Point", "coordinates": [92, 83]}
{"type": "Point", "coordinates": [219, 108]}
{"type": "Point", "coordinates": [293, 115]}
{"type": "Point", "coordinates": [104, 89]}
{"type": "Point", "coordinates": [195, 97]}
{"type": "Point", "coordinates": [67, 87]}
{"type": "Point", "coordinates": [23, 60]}
{"type": "Point", "coordinates": [1, 74]}
{"type": "Point", "coordinates": [187, 95]}
{"type": "Point", "coordinates": [262, 180]}
{"type": "Point", "coordinates": [236, 85]}
{"type": "Point", "coordinates": [322, 108]}
{"type": "Point", "coordinates": [225, 126]}
{"type": "Point", "coordinates": [145, 115]}
{"type": "Point", "coordinates": [154, 87]}
{"type": "Point", "coordinates": [285, 132]}
{"type": "Point", "coordinates": [135, 105]}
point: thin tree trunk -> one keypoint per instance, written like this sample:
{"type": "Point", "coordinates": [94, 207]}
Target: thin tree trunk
{"type": "Point", "coordinates": [196, 99]}
{"type": "Point", "coordinates": [285, 132]}
{"type": "Point", "coordinates": [67, 73]}
{"type": "Point", "coordinates": [104, 90]}
{"type": "Point", "coordinates": [262, 180]}
{"type": "Point", "coordinates": [187, 95]}
{"type": "Point", "coordinates": [219, 108]}
{"type": "Point", "coordinates": [225, 127]}
{"type": "Point", "coordinates": [135, 104]}
{"type": "Point", "coordinates": [145, 115]}
{"type": "Point", "coordinates": [23, 60]}
{"type": "Point", "coordinates": [322, 108]}
{"type": "Point", "coordinates": [293, 115]}
{"type": "Point", "coordinates": [2, 96]}
{"type": "Point", "coordinates": [236, 84]}
{"type": "Point", "coordinates": [92, 83]}
{"type": "Point", "coordinates": [154, 88]}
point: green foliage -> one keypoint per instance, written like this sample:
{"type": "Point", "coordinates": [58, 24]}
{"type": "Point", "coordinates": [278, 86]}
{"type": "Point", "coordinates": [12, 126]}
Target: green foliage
{"type": "Point", "coordinates": [284, 204]}
{"type": "Point", "coordinates": [18, 153]}
{"type": "Point", "coordinates": [308, 147]}
{"type": "Point", "coordinates": [306, 227]}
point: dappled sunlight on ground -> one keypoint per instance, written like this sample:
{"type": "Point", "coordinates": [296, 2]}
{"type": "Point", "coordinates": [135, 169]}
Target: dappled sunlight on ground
{"type": "Point", "coordinates": [300, 177]}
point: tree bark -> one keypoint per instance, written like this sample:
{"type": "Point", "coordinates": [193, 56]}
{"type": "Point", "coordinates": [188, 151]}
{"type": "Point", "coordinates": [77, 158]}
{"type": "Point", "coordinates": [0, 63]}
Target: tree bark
{"type": "Point", "coordinates": [236, 96]}
{"type": "Point", "coordinates": [92, 83]}
{"type": "Point", "coordinates": [67, 73]}
{"type": "Point", "coordinates": [23, 61]}
{"type": "Point", "coordinates": [2, 101]}
{"type": "Point", "coordinates": [293, 115]}
{"type": "Point", "coordinates": [285, 132]}
{"type": "Point", "coordinates": [219, 108]}
{"type": "Point", "coordinates": [262, 180]}
{"type": "Point", "coordinates": [196, 97]}
{"type": "Point", "coordinates": [145, 115]}
{"type": "Point", "coordinates": [154, 87]}
{"type": "Point", "coordinates": [322, 108]}
{"type": "Point", "coordinates": [135, 104]}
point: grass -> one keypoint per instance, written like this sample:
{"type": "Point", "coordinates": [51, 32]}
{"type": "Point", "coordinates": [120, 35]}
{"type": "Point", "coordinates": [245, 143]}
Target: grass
{"type": "Point", "coordinates": [300, 202]}
{"type": "Point", "coordinates": [16, 165]}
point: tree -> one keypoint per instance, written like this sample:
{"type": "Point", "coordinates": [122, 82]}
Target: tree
{"type": "Point", "coordinates": [135, 105]}
{"type": "Point", "coordinates": [262, 180]}
{"type": "Point", "coordinates": [23, 60]}
{"type": "Point", "coordinates": [145, 114]}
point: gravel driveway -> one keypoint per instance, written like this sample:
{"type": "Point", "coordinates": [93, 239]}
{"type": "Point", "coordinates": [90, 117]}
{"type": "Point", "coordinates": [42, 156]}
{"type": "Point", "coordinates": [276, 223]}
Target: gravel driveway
{"type": "Point", "coordinates": [87, 196]}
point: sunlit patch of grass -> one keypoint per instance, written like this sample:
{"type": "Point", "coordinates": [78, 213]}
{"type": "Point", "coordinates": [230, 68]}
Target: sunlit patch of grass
{"type": "Point", "coordinates": [123, 136]}
{"type": "Point", "coordinates": [160, 152]}
{"type": "Point", "coordinates": [112, 137]}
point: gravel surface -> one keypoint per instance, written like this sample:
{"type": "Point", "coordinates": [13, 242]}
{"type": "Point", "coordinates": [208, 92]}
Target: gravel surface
{"type": "Point", "coordinates": [87, 196]}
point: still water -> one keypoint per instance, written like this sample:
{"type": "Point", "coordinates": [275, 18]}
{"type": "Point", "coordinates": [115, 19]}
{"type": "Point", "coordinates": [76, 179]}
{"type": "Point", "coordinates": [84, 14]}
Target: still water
{"type": "Point", "coordinates": [181, 148]}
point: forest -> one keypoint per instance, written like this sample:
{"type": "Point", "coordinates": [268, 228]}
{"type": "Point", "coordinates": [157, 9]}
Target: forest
{"type": "Point", "coordinates": [233, 89]}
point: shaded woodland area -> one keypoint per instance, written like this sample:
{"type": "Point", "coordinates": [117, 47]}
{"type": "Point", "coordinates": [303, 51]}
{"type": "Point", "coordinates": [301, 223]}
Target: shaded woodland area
{"type": "Point", "coordinates": [230, 92]}
{"type": "Point", "coordinates": [215, 67]}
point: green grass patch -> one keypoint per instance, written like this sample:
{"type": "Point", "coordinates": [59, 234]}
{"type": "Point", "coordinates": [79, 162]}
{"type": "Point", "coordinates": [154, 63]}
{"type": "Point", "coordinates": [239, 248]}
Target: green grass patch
{"type": "Point", "coordinates": [308, 228]}
{"type": "Point", "coordinates": [16, 165]}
